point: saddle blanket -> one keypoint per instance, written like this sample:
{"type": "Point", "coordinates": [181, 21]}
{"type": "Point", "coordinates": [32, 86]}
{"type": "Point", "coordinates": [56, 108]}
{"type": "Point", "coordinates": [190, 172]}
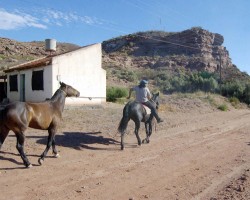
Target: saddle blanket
{"type": "Point", "coordinates": [148, 111]}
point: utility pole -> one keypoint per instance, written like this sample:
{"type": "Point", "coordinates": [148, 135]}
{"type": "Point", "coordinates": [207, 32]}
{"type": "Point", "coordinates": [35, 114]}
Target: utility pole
{"type": "Point", "coordinates": [220, 72]}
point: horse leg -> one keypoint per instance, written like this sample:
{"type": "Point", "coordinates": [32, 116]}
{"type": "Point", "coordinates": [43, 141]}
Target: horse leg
{"type": "Point", "coordinates": [149, 130]}
{"type": "Point", "coordinates": [53, 131]}
{"type": "Point", "coordinates": [122, 141]}
{"type": "Point", "coordinates": [51, 136]}
{"type": "Point", "coordinates": [146, 140]}
{"type": "Point", "coordinates": [137, 127]}
{"type": "Point", "coordinates": [20, 147]}
{"type": "Point", "coordinates": [4, 131]}
{"type": "Point", "coordinates": [55, 152]}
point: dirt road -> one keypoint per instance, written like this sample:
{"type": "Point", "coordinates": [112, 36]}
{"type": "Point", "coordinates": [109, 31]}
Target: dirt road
{"type": "Point", "coordinates": [192, 155]}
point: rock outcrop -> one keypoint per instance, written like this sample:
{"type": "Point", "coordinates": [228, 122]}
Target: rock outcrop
{"type": "Point", "coordinates": [194, 49]}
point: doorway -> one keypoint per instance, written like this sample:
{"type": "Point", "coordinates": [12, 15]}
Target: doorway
{"type": "Point", "coordinates": [22, 87]}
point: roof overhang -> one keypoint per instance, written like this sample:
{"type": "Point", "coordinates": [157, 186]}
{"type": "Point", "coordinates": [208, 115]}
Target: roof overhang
{"type": "Point", "coordinates": [32, 64]}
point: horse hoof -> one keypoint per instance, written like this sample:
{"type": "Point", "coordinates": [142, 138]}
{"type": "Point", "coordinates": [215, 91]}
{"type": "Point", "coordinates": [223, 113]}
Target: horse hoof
{"type": "Point", "coordinates": [40, 161]}
{"type": "Point", "coordinates": [57, 155]}
{"type": "Point", "coordinates": [29, 166]}
{"type": "Point", "coordinates": [145, 141]}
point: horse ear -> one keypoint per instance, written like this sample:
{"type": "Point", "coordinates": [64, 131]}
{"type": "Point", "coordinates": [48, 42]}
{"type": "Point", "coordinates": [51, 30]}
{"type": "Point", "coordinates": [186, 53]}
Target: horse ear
{"type": "Point", "coordinates": [62, 84]}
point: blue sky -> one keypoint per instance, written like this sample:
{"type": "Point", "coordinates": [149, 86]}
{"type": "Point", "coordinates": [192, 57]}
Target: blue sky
{"type": "Point", "coordinates": [84, 22]}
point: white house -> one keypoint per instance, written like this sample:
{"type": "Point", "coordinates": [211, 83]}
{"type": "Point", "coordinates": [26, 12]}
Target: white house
{"type": "Point", "coordinates": [39, 79]}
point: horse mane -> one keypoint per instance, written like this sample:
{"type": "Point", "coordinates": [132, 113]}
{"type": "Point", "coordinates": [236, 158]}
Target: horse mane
{"type": "Point", "coordinates": [56, 95]}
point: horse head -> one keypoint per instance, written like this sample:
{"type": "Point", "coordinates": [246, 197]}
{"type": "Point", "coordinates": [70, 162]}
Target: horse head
{"type": "Point", "coordinates": [155, 99]}
{"type": "Point", "coordinates": [69, 90]}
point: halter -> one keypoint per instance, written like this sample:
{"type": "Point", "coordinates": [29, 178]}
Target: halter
{"type": "Point", "coordinates": [64, 92]}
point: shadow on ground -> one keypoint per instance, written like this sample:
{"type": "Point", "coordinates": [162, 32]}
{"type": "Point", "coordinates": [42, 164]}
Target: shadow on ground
{"type": "Point", "coordinates": [79, 140]}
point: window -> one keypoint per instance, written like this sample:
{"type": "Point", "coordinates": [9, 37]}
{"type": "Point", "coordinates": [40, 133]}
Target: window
{"type": "Point", "coordinates": [13, 83]}
{"type": "Point", "coordinates": [37, 80]}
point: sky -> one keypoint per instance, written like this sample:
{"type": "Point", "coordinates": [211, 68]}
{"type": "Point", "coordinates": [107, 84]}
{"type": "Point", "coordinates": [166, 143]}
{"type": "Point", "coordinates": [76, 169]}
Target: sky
{"type": "Point", "coordinates": [85, 22]}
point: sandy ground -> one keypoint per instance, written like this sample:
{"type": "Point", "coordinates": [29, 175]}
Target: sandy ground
{"type": "Point", "coordinates": [194, 154]}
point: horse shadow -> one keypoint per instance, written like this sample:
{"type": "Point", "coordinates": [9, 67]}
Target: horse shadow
{"type": "Point", "coordinates": [74, 140]}
{"type": "Point", "coordinates": [82, 140]}
{"type": "Point", "coordinates": [5, 157]}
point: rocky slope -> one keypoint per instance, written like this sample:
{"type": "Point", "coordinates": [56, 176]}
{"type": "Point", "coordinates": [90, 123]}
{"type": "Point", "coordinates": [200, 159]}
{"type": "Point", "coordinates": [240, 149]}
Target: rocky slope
{"type": "Point", "coordinates": [192, 49]}
{"type": "Point", "coordinates": [13, 52]}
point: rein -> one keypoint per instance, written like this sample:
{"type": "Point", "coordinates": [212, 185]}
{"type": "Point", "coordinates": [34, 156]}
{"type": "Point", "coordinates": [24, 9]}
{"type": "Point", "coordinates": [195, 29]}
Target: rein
{"type": "Point", "coordinates": [152, 101]}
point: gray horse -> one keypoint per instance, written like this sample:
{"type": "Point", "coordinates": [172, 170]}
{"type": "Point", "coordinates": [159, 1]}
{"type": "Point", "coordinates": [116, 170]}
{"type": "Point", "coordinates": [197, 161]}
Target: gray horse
{"type": "Point", "coordinates": [136, 111]}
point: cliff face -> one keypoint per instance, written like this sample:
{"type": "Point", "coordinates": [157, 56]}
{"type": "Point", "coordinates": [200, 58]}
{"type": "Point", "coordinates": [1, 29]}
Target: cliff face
{"type": "Point", "coordinates": [194, 49]}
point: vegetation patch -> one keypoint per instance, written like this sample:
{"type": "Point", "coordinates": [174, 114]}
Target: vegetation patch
{"type": "Point", "coordinates": [115, 93]}
{"type": "Point", "coordinates": [223, 107]}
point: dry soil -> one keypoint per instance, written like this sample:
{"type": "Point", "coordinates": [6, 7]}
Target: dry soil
{"type": "Point", "coordinates": [198, 153]}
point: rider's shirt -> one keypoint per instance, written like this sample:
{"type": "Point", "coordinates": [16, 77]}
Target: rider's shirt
{"type": "Point", "coordinates": [142, 94]}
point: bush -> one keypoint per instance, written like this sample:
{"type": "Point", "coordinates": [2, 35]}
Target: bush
{"type": "Point", "coordinates": [234, 101]}
{"type": "Point", "coordinates": [223, 107]}
{"type": "Point", "coordinates": [246, 97]}
{"type": "Point", "coordinates": [113, 93]}
{"type": "Point", "coordinates": [189, 82]}
{"type": "Point", "coordinates": [240, 90]}
{"type": "Point", "coordinates": [128, 76]}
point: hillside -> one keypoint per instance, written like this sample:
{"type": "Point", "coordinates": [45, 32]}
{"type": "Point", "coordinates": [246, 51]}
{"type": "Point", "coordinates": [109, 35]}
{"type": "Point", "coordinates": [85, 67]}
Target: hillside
{"type": "Point", "coordinates": [13, 52]}
{"type": "Point", "coordinates": [141, 54]}
{"type": "Point", "coordinates": [195, 49]}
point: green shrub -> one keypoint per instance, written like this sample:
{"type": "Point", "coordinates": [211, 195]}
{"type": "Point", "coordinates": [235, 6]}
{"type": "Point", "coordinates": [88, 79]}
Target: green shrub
{"type": "Point", "coordinates": [127, 75]}
{"type": "Point", "coordinates": [246, 97]}
{"type": "Point", "coordinates": [113, 93]}
{"type": "Point", "coordinates": [234, 101]}
{"type": "Point", "coordinates": [234, 88]}
{"type": "Point", "coordinates": [187, 82]}
{"type": "Point", "coordinates": [223, 107]}
{"type": "Point", "coordinates": [238, 89]}
{"type": "Point", "coordinates": [210, 99]}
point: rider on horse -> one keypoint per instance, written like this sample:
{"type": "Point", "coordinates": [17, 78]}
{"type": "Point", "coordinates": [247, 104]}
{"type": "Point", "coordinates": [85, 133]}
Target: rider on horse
{"type": "Point", "coordinates": [143, 95]}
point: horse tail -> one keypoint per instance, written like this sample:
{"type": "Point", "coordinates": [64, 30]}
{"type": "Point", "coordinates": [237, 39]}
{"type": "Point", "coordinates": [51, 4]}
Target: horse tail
{"type": "Point", "coordinates": [125, 119]}
{"type": "Point", "coordinates": [4, 131]}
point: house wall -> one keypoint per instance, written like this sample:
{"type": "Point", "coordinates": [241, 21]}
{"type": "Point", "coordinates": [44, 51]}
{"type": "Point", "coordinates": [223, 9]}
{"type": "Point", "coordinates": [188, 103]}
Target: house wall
{"type": "Point", "coordinates": [82, 69]}
{"type": "Point", "coordinates": [32, 95]}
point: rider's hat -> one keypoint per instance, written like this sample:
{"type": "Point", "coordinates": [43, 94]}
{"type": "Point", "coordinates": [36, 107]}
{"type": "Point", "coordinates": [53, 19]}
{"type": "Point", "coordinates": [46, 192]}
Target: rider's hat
{"type": "Point", "coordinates": [143, 82]}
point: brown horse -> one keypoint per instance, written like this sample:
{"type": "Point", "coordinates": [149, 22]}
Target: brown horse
{"type": "Point", "coordinates": [18, 116]}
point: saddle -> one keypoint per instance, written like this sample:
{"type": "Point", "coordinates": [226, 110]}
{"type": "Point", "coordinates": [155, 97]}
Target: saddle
{"type": "Point", "coordinates": [148, 110]}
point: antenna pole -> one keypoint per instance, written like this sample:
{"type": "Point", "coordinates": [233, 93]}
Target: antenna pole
{"type": "Point", "coordinates": [220, 72]}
